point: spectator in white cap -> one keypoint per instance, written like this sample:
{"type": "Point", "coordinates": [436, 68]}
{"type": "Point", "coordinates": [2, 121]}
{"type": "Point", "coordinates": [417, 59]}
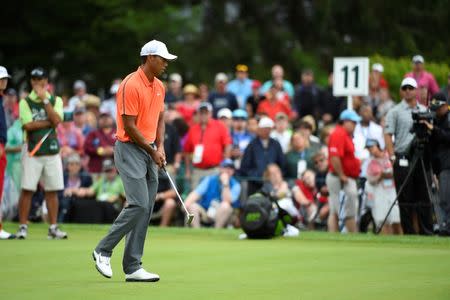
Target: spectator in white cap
{"type": "Point", "coordinates": [80, 91]}
{"type": "Point", "coordinates": [225, 116]}
{"type": "Point", "coordinates": [4, 76]}
{"type": "Point", "coordinates": [262, 151]}
{"type": "Point", "coordinates": [422, 77]}
{"type": "Point", "coordinates": [110, 105]}
{"type": "Point", "coordinates": [376, 84]}
{"type": "Point", "coordinates": [413, 200]}
{"type": "Point", "coordinates": [174, 92]}
{"type": "Point", "coordinates": [221, 98]}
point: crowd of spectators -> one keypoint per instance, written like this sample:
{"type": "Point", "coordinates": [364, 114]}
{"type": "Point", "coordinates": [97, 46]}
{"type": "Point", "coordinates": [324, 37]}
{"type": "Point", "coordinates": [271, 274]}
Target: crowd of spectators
{"type": "Point", "coordinates": [225, 143]}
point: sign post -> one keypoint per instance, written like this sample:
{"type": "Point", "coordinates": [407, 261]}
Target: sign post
{"type": "Point", "coordinates": [350, 77]}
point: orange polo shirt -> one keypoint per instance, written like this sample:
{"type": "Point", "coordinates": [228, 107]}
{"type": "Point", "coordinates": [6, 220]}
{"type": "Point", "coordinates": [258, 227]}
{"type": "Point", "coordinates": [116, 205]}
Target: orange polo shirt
{"type": "Point", "coordinates": [141, 98]}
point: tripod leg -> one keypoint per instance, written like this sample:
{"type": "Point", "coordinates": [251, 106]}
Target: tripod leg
{"type": "Point", "coordinates": [424, 214]}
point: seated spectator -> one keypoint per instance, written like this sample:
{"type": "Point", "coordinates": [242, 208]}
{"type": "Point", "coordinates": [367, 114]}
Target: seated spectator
{"type": "Point", "coordinates": [70, 139]}
{"type": "Point", "coordinates": [75, 180]}
{"type": "Point", "coordinates": [299, 158]}
{"type": "Point", "coordinates": [271, 106]}
{"type": "Point", "coordinates": [80, 120]}
{"type": "Point", "coordinates": [254, 99]}
{"type": "Point", "coordinates": [282, 132]}
{"type": "Point", "coordinates": [165, 204]}
{"type": "Point", "coordinates": [107, 188]}
{"type": "Point", "coordinates": [275, 185]}
{"type": "Point", "coordinates": [240, 136]}
{"type": "Point", "coordinates": [92, 104]}
{"type": "Point", "coordinates": [380, 189]}
{"type": "Point", "coordinates": [221, 98]}
{"type": "Point", "coordinates": [321, 170]}
{"type": "Point", "coordinates": [306, 129]}
{"type": "Point", "coordinates": [215, 197]}
{"type": "Point", "coordinates": [304, 193]}
{"type": "Point", "coordinates": [100, 142]}
{"type": "Point", "coordinates": [225, 116]}
{"type": "Point", "coordinates": [188, 106]}
{"type": "Point", "coordinates": [262, 151]}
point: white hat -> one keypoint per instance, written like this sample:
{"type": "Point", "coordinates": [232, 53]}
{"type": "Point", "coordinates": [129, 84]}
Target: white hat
{"type": "Point", "coordinates": [114, 88]}
{"type": "Point", "coordinates": [4, 73]}
{"type": "Point", "coordinates": [79, 84]}
{"type": "Point", "coordinates": [377, 67]}
{"type": "Point", "coordinates": [155, 47]}
{"type": "Point", "coordinates": [221, 77]}
{"type": "Point", "coordinates": [224, 113]}
{"type": "Point", "coordinates": [409, 81]}
{"type": "Point", "coordinates": [418, 59]}
{"type": "Point", "coordinates": [175, 77]}
{"type": "Point", "coordinates": [266, 122]}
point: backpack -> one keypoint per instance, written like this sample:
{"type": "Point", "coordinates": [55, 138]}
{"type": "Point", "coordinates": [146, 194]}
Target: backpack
{"type": "Point", "coordinates": [260, 219]}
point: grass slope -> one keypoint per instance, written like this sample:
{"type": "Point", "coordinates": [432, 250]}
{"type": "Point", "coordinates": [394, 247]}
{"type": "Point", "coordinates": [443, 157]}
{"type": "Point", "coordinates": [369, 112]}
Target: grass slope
{"type": "Point", "coordinates": [214, 264]}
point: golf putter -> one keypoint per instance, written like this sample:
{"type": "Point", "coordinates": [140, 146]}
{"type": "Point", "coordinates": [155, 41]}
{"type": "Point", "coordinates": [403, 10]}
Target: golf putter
{"type": "Point", "coordinates": [189, 216]}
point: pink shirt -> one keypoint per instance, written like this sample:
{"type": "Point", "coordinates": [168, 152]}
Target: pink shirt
{"type": "Point", "coordinates": [425, 79]}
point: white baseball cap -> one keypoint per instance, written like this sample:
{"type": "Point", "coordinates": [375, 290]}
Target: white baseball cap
{"type": "Point", "coordinates": [79, 85]}
{"type": "Point", "coordinates": [221, 77]}
{"type": "Point", "coordinates": [418, 59]}
{"type": "Point", "coordinates": [224, 113]}
{"type": "Point", "coordinates": [175, 77]}
{"type": "Point", "coordinates": [155, 47]}
{"type": "Point", "coordinates": [4, 73]}
{"type": "Point", "coordinates": [266, 122]}
{"type": "Point", "coordinates": [378, 67]}
{"type": "Point", "coordinates": [409, 81]}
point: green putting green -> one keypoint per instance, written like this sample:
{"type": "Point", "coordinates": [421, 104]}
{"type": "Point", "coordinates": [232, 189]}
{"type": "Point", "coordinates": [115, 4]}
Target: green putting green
{"type": "Point", "coordinates": [214, 264]}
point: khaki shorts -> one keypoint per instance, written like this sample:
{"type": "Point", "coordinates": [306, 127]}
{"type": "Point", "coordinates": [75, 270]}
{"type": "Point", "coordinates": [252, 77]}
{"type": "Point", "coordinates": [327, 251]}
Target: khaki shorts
{"type": "Point", "coordinates": [47, 168]}
{"type": "Point", "coordinates": [351, 193]}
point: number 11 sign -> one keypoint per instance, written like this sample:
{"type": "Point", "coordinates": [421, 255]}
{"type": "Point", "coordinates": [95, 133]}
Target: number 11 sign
{"type": "Point", "coordinates": [351, 76]}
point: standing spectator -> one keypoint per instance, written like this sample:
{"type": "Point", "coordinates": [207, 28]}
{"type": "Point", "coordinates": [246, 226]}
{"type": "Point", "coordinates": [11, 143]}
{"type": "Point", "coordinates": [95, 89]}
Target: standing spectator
{"type": "Point", "coordinates": [40, 114]}
{"type": "Point", "coordinates": [385, 104]}
{"type": "Point", "coordinates": [79, 88]}
{"type": "Point", "coordinates": [282, 132]}
{"type": "Point", "coordinates": [331, 105]}
{"type": "Point", "coordinates": [307, 96]}
{"type": "Point", "coordinates": [262, 151]}
{"type": "Point", "coordinates": [99, 144]}
{"type": "Point", "coordinates": [188, 106]}
{"type": "Point", "coordinates": [299, 158]}
{"type": "Point", "coordinates": [70, 139]}
{"type": "Point", "coordinates": [414, 201]}
{"type": "Point", "coordinates": [278, 73]}
{"type": "Point", "coordinates": [174, 92]}
{"type": "Point", "coordinates": [380, 189]}
{"type": "Point", "coordinates": [110, 105]}
{"type": "Point", "coordinates": [422, 77]}
{"type": "Point", "coordinates": [376, 83]}
{"type": "Point", "coordinates": [240, 136]}
{"type": "Point", "coordinates": [254, 99]}
{"type": "Point", "coordinates": [4, 76]}
{"type": "Point", "coordinates": [13, 150]}
{"type": "Point", "coordinates": [241, 86]}
{"type": "Point", "coordinates": [271, 106]}
{"type": "Point", "coordinates": [344, 169]}
{"type": "Point", "coordinates": [11, 106]}
{"type": "Point", "coordinates": [221, 98]}
{"type": "Point", "coordinates": [215, 197]}
{"type": "Point", "coordinates": [75, 180]}
{"type": "Point", "coordinates": [208, 142]}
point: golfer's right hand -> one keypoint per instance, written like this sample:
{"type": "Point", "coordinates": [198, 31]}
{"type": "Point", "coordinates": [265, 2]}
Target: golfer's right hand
{"type": "Point", "coordinates": [158, 158]}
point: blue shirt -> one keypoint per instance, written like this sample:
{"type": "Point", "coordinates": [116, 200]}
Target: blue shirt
{"type": "Point", "coordinates": [242, 89]}
{"type": "Point", "coordinates": [241, 139]}
{"type": "Point", "coordinates": [210, 189]}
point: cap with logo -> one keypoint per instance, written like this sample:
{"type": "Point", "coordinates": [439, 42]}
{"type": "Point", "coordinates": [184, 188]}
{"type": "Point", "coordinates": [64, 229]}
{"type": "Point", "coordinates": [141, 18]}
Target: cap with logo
{"type": "Point", "coordinates": [349, 115]}
{"type": "Point", "coordinates": [418, 59]}
{"type": "Point", "coordinates": [4, 73]}
{"type": "Point", "coordinates": [155, 47]}
{"type": "Point", "coordinates": [38, 73]}
{"type": "Point", "coordinates": [409, 81]}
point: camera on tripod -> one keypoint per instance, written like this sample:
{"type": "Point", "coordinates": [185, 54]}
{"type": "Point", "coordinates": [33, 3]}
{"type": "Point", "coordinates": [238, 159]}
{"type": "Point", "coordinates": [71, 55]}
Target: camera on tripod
{"type": "Point", "coordinates": [420, 129]}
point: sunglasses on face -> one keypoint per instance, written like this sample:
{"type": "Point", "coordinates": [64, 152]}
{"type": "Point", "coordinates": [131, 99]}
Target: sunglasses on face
{"type": "Point", "coordinates": [407, 87]}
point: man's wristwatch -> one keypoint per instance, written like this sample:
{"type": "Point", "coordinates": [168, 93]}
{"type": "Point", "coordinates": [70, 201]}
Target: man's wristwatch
{"type": "Point", "coordinates": [46, 101]}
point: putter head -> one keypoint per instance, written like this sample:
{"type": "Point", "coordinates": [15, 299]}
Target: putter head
{"type": "Point", "coordinates": [190, 218]}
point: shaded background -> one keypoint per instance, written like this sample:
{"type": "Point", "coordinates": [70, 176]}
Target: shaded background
{"type": "Point", "coordinates": [98, 40]}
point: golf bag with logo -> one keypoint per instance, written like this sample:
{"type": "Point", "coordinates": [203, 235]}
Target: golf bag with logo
{"type": "Point", "coordinates": [261, 219]}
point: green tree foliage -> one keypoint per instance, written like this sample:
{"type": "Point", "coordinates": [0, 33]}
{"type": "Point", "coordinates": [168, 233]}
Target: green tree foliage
{"type": "Point", "coordinates": [98, 40]}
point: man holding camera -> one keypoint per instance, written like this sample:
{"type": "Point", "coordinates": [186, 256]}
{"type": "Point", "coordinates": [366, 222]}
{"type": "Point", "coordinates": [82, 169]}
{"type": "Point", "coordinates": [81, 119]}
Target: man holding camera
{"type": "Point", "coordinates": [440, 142]}
{"type": "Point", "coordinates": [415, 206]}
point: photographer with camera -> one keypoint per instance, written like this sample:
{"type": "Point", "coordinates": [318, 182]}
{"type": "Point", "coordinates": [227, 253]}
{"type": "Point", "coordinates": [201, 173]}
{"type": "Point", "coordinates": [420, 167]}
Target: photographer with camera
{"type": "Point", "coordinates": [415, 205]}
{"type": "Point", "coordinates": [440, 142]}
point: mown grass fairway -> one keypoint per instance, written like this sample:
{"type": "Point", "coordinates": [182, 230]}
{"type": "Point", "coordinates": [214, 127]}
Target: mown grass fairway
{"type": "Point", "coordinates": [210, 264]}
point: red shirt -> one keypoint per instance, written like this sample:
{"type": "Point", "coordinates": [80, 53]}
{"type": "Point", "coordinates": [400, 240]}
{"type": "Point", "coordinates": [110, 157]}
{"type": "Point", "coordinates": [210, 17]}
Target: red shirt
{"type": "Point", "coordinates": [340, 144]}
{"type": "Point", "coordinates": [214, 138]}
{"type": "Point", "coordinates": [272, 108]}
{"type": "Point", "coordinates": [308, 192]}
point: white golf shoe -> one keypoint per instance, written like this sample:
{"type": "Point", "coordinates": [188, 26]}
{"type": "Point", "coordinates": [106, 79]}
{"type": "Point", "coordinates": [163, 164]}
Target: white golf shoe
{"type": "Point", "coordinates": [141, 276]}
{"type": "Point", "coordinates": [102, 264]}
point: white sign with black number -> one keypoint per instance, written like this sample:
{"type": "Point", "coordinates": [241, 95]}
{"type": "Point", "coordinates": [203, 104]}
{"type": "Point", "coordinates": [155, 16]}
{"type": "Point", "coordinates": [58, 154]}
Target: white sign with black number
{"type": "Point", "coordinates": [351, 76]}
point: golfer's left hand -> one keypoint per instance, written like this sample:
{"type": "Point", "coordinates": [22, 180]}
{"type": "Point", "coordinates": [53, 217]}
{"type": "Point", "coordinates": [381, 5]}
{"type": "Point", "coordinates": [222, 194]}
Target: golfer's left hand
{"type": "Point", "coordinates": [159, 158]}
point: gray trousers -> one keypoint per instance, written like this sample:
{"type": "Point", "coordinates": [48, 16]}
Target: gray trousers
{"type": "Point", "coordinates": [444, 196]}
{"type": "Point", "coordinates": [139, 174]}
